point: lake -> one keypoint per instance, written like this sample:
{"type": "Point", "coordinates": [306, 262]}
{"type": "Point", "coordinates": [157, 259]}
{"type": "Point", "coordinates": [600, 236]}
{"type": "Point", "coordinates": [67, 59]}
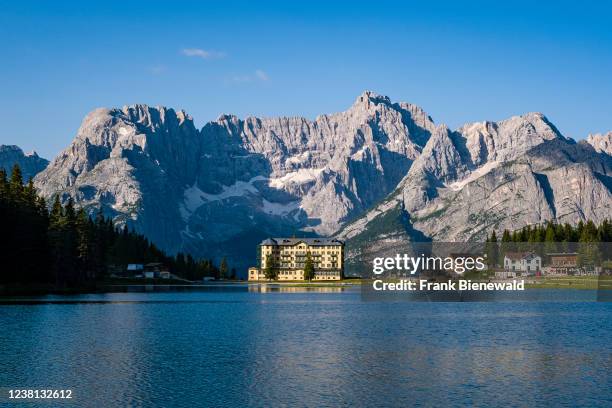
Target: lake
{"type": "Point", "coordinates": [231, 346]}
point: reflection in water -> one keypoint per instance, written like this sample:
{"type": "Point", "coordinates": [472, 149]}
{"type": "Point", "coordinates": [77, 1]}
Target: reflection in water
{"type": "Point", "coordinates": [267, 288]}
{"type": "Point", "coordinates": [252, 347]}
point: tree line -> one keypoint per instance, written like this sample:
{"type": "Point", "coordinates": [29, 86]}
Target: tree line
{"type": "Point", "coordinates": [553, 232]}
{"type": "Point", "coordinates": [63, 246]}
{"type": "Point", "coordinates": [588, 240]}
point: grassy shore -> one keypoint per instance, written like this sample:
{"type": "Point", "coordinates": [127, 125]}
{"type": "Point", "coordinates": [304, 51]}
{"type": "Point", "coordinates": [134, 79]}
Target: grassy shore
{"type": "Point", "coordinates": [570, 282]}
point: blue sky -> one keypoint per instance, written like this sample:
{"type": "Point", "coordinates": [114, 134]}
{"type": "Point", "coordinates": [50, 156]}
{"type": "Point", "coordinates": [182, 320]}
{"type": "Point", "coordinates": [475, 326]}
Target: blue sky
{"type": "Point", "coordinates": [460, 62]}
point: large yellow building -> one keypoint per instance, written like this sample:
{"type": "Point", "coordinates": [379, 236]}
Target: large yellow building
{"type": "Point", "coordinates": [288, 256]}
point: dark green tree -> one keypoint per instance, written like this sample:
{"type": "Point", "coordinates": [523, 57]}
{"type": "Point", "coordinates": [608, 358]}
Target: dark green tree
{"type": "Point", "coordinates": [492, 247]}
{"type": "Point", "coordinates": [309, 270]}
{"type": "Point", "coordinates": [223, 269]}
{"type": "Point", "coordinates": [270, 271]}
{"type": "Point", "coordinates": [63, 246]}
{"type": "Point", "coordinates": [550, 240]}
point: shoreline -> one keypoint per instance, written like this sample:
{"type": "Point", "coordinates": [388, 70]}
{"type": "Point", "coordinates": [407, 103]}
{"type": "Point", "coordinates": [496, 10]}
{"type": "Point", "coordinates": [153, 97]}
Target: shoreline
{"type": "Point", "coordinates": [113, 286]}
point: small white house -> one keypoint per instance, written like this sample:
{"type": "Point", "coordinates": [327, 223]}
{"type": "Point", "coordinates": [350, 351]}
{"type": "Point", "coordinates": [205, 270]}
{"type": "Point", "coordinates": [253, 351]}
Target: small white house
{"type": "Point", "coordinates": [524, 263]}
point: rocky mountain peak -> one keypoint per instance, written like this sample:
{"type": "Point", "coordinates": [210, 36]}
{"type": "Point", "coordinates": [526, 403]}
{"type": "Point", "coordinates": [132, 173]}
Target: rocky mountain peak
{"type": "Point", "coordinates": [150, 167]}
{"type": "Point", "coordinates": [506, 139]}
{"type": "Point", "coordinates": [10, 149]}
{"type": "Point", "coordinates": [30, 163]}
{"type": "Point", "coordinates": [156, 117]}
{"type": "Point", "coordinates": [368, 97]}
{"type": "Point", "coordinates": [218, 190]}
{"type": "Point", "coordinates": [602, 143]}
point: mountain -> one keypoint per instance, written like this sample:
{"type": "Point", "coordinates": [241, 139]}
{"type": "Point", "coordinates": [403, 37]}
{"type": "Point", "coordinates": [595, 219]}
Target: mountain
{"type": "Point", "coordinates": [30, 163]}
{"type": "Point", "coordinates": [219, 190]}
{"type": "Point", "coordinates": [483, 177]}
{"type": "Point", "coordinates": [378, 175]}
{"type": "Point", "coordinates": [601, 143]}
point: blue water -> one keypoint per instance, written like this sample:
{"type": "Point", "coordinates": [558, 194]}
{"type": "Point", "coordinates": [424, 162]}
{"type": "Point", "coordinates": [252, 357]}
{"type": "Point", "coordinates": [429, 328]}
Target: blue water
{"type": "Point", "coordinates": [231, 348]}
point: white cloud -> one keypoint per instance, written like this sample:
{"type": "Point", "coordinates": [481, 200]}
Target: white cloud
{"type": "Point", "coordinates": [262, 76]}
{"type": "Point", "coordinates": [204, 54]}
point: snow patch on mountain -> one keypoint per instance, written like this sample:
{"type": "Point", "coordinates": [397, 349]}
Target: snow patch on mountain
{"type": "Point", "coordinates": [300, 176]}
{"type": "Point", "coordinates": [479, 172]}
{"type": "Point", "coordinates": [194, 198]}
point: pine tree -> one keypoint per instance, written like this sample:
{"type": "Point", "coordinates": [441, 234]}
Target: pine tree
{"type": "Point", "coordinates": [56, 230]}
{"type": "Point", "coordinates": [270, 271]}
{"type": "Point", "coordinates": [309, 270]}
{"type": "Point", "coordinates": [65, 247]}
{"type": "Point", "coordinates": [604, 232]}
{"type": "Point", "coordinates": [16, 185]}
{"type": "Point", "coordinates": [4, 186]}
{"type": "Point", "coordinates": [5, 222]}
{"type": "Point", "coordinates": [100, 244]}
{"type": "Point", "coordinates": [70, 243]}
{"type": "Point", "coordinates": [85, 244]}
{"type": "Point", "coordinates": [223, 269]}
{"type": "Point", "coordinates": [550, 241]}
{"type": "Point", "coordinates": [492, 250]}
{"type": "Point", "coordinates": [180, 263]}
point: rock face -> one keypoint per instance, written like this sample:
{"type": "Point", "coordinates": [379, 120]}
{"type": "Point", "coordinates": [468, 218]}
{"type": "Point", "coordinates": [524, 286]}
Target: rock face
{"type": "Point", "coordinates": [488, 177]}
{"type": "Point", "coordinates": [30, 163]}
{"type": "Point", "coordinates": [601, 143]}
{"type": "Point", "coordinates": [219, 190]}
{"type": "Point", "coordinates": [378, 174]}
{"type": "Point", "coordinates": [133, 163]}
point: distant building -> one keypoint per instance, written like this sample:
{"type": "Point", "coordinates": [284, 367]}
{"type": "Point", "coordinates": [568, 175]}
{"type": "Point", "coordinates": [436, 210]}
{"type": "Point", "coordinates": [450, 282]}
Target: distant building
{"type": "Point", "coordinates": [563, 259]}
{"type": "Point", "coordinates": [505, 274]}
{"type": "Point", "coordinates": [134, 269]}
{"type": "Point", "coordinates": [525, 263]}
{"type": "Point", "coordinates": [288, 257]}
{"type": "Point", "coordinates": [562, 263]}
{"type": "Point", "coordinates": [550, 271]}
{"type": "Point", "coordinates": [156, 270]}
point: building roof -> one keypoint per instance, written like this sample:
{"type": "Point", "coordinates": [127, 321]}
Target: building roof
{"type": "Point", "coordinates": [135, 267]}
{"type": "Point", "coordinates": [563, 254]}
{"type": "Point", "coordinates": [307, 241]}
{"type": "Point", "coordinates": [517, 256]}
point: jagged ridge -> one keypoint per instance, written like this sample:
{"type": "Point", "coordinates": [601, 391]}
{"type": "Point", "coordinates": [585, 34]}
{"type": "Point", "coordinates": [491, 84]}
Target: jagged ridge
{"type": "Point", "coordinates": [218, 190]}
